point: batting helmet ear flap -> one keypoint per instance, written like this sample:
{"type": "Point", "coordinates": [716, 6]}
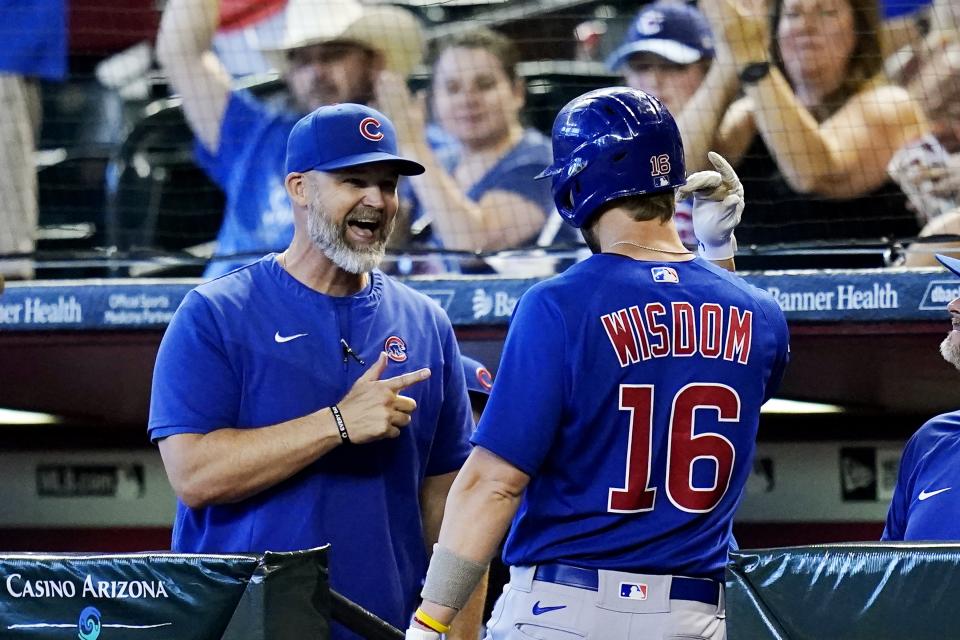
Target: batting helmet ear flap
{"type": "Point", "coordinates": [609, 144]}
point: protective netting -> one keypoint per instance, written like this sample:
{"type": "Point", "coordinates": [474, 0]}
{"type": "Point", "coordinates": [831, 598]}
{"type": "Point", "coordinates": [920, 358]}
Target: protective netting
{"type": "Point", "coordinates": [159, 130]}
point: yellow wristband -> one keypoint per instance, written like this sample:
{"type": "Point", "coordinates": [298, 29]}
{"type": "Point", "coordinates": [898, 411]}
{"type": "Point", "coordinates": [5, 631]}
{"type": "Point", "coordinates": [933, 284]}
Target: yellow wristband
{"type": "Point", "coordinates": [424, 618]}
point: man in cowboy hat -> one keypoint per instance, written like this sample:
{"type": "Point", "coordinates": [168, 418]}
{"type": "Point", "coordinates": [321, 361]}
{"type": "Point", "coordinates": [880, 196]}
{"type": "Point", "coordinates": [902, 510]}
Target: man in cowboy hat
{"type": "Point", "coordinates": [332, 51]}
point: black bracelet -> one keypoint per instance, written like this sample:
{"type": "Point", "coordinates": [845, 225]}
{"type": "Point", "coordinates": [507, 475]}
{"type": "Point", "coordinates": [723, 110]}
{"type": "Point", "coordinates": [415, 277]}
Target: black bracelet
{"type": "Point", "coordinates": [341, 426]}
{"type": "Point", "coordinates": [754, 72]}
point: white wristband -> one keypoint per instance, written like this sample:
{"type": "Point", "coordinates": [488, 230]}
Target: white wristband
{"type": "Point", "coordinates": [723, 251]}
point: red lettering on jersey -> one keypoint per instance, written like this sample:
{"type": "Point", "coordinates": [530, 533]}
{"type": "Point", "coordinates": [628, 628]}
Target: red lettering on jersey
{"type": "Point", "coordinates": [711, 330]}
{"type": "Point", "coordinates": [652, 310]}
{"type": "Point", "coordinates": [641, 331]}
{"type": "Point", "coordinates": [739, 334]}
{"type": "Point", "coordinates": [684, 330]}
{"type": "Point", "coordinates": [620, 331]}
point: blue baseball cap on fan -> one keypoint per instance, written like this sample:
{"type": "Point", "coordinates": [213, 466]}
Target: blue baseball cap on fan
{"type": "Point", "coordinates": [345, 135]}
{"type": "Point", "coordinates": [677, 32]}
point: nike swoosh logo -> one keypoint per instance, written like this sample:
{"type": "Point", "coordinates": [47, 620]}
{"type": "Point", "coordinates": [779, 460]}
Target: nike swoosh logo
{"type": "Point", "coordinates": [929, 494]}
{"type": "Point", "coordinates": [281, 339]}
{"type": "Point", "coordinates": [538, 610]}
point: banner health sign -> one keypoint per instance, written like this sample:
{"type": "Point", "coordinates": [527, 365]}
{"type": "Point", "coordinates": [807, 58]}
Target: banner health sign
{"type": "Point", "coordinates": [153, 596]}
{"type": "Point", "coordinates": [865, 295]}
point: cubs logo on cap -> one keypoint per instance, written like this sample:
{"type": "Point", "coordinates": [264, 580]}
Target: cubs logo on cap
{"type": "Point", "coordinates": [370, 129]}
{"type": "Point", "coordinates": [478, 377]}
{"type": "Point", "coordinates": [484, 378]}
{"type": "Point", "coordinates": [649, 22]}
{"type": "Point", "coordinates": [396, 349]}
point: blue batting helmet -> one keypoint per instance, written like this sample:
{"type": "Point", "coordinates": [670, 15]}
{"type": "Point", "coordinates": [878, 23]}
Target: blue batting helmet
{"type": "Point", "coordinates": [609, 144]}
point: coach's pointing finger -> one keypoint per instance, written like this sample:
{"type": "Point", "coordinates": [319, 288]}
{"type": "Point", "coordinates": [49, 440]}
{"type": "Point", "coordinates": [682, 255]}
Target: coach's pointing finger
{"type": "Point", "coordinates": [403, 381]}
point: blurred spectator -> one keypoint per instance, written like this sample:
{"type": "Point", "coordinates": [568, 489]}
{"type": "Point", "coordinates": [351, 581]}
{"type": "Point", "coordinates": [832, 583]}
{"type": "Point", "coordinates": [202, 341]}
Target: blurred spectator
{"type": "Point", "coordinates": [928, 169]}
{"type": "Point", "coordinates": [479, 194]}
{"type": "Point", "coordinates": [332, 51]}
{"type": "Point", "coordinates": [34, 37]}
{"type": "Point", "coordinates": [817, 127]}
{"type": "Point", "coordinates": [667, 52]}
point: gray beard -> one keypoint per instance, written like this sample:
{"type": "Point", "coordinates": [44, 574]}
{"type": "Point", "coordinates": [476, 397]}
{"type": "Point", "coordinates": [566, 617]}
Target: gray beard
{"type": "Point", "coordinates": [950, 351]}
{"type": "Point", "coordinates": [331, 239]}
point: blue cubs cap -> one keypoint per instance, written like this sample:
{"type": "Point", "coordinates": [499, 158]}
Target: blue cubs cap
{"type": "Point", "coordinates": [677, 32]}
{"type": "Point", "coordinates": [479, 378]}
{"type": "Point", "coordinates": [950, 263]}
{"type": "Point", "coordinates": [345, 135]}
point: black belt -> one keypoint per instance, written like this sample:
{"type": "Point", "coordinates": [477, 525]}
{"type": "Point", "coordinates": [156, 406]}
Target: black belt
{"type": "Point", "coordinates": [681, 588]}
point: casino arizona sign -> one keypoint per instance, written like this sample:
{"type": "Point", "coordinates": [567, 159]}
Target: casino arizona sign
{"type": "Point", "coordinates": [90, 588]}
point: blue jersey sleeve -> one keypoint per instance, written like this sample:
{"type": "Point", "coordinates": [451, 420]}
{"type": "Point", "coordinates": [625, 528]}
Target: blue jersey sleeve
{"type": "Point", "coordinates": [451, 445]}
{"type": "Point", "coordinates": [242, 118]}
{"type": "Point", "coordinates": [526, 405]}
{"type": "Point", "coordinates": [195, 386]}
{"type": "Point", "coordinates": [896, 525]}
{"type": "Point", "coordinates": [779, 325]}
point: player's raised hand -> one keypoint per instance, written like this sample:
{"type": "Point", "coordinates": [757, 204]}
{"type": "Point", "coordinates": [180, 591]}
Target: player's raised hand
{"type": "Point", "coordinates": [741, 28]}
{"type": "Point", "coordinates": [717, 207]}
{"type": "Point", "coordinates": [373, 409]}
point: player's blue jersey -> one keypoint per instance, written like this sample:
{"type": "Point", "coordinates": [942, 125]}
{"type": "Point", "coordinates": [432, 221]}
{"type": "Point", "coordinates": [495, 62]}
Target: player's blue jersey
{"type": "Point", "coordinates": [630, 392]}
{"type": "Point", "coordinates": [927, 497]}
{"type": "Point", "coordinates": [256, 347]}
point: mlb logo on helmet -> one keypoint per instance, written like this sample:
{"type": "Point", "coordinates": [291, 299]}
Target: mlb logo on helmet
{"type": "Point", "coordinates": [396, 349]}
{"type": "Point", "coordinates": [664, 274]}
{"type": "Point", "coordinates": [633, 590]}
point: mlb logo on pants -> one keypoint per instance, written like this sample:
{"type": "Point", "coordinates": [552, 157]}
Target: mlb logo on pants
{"type": "Point", "coordinates": [633, 590]}
{"type": "Point", "coordinates": [664, 274]}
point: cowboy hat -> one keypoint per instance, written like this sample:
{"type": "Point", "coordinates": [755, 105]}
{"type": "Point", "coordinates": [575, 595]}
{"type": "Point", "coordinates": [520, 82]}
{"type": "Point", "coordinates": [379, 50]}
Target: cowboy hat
{"type": "Point", "coordinates": [392, 31]}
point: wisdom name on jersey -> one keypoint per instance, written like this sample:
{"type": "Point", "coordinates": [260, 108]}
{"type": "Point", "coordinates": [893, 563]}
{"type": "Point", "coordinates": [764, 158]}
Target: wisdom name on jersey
{"type": "Point", "coordinates": [682, 330]}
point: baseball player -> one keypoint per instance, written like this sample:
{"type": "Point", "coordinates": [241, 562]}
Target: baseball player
{"type": "Point", "coordinates": [926, 500]}
{"type": "Point", "coordinates": [307, 398]}
{"type": "Point", "coordinates": [620, 431]}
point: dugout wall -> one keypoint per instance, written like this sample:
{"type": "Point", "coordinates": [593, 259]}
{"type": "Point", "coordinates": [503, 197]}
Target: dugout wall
{"type": "Point", "coordinates": [276, 596]}
{"type": "Point", "coordinates": [890, 591]}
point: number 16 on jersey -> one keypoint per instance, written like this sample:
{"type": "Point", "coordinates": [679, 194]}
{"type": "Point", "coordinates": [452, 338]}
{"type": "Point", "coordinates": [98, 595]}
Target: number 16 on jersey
{"type": "Point", "coordinates": [685, 448]}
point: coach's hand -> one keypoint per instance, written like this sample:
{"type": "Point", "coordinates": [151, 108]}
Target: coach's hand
{"type": "Point", "coordinates": [373, 409]}
{"type": "Point", "coordinates": [717, 207]}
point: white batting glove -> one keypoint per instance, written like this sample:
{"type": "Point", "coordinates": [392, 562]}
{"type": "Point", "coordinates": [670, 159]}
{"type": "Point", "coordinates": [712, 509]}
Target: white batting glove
{"type": "Point", "coordinates": [717, 207]}
{"type": "Point", "coordinates": [416, 633]}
